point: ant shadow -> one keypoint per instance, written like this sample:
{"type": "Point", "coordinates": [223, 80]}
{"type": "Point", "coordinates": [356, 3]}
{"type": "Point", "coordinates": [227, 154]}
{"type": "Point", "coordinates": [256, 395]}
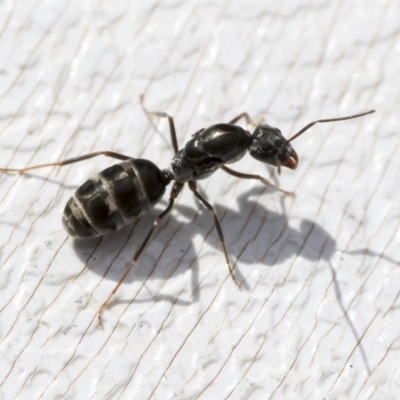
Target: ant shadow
{"type": "Point", "coordinates": [172, 250]}
{"type": "Point", "coordinates": [281, 242]}
{"type": "Point", "coordinates": [110, 255]}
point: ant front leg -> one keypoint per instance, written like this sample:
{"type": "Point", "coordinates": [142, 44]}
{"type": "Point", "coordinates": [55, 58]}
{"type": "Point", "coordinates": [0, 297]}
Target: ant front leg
{"type": "Point", "coordinates": [213, 211]}
{"type": "Point", "coordinates": [68, 161]}
{"type": "Point", "coordinates": [176, 189]}
{"type": "Point", "coordinates": [246, 116]}
{"type": "Point", "coordinates": [171, 123]}
{"type": "Point", "coordinates": [256, 177]}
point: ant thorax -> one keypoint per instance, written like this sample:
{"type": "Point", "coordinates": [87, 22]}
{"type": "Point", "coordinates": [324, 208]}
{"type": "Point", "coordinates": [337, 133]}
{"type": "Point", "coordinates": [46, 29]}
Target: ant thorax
{"type": "Point", "coordinates": [208, 150]}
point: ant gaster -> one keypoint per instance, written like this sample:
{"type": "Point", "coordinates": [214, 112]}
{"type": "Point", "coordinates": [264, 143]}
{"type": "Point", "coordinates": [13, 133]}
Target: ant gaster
{"type": "Point", "coordinates": [123, 192]}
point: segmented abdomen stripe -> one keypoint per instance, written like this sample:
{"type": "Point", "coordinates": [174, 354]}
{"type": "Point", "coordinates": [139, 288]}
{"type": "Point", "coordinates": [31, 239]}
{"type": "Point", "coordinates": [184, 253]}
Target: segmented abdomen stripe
{"type": "Point", "coordinates": [114, 198]}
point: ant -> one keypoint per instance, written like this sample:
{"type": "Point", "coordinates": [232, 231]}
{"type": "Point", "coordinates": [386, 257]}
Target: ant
{"type": "Point", "coordinates": [125, 191]}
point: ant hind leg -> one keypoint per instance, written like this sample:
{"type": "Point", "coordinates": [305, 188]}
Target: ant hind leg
{"type": "Point", "coordinates": [68, 161]}
{"type": "Point", "coordinates": [176, 189]}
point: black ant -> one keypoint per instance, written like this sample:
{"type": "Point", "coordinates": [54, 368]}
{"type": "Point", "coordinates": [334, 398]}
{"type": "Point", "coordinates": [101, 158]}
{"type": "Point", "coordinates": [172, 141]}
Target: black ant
{"type": "Point", "coordinates": [123, 192]}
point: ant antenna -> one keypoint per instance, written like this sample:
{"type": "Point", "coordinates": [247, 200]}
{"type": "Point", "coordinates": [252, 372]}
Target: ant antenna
{"type": "Point", "coordinates": [328, 120]}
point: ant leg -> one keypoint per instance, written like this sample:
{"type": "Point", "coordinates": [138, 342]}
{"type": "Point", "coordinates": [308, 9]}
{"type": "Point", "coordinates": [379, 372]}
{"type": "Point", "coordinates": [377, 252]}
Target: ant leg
{"type": "Point", "coordinates": [171, 123]}
{"type": "Point", "coordinates": [244, 115]}
{"type": "Point", "coordinates": [257, 177]}
{"type": "Point", "coordinates": [176, 189]}
{"type": "Point", "coordinates": [213, 211]}
{"type": "Point", "coordinates": [68, 161]}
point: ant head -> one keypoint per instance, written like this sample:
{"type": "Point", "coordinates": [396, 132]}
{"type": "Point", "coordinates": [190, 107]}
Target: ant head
{"type": "Point", "coordinates": [268, 145]}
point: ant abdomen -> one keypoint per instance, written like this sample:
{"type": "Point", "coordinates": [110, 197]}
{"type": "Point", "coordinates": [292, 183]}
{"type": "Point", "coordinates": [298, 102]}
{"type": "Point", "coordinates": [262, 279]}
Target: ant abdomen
{"type": "Point", "coordinates": [113, 198]}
